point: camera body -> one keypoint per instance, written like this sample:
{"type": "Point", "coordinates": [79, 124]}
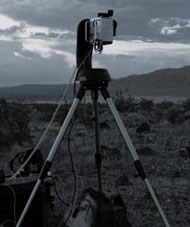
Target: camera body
{"type": "Point", "coordinates": [93, 34]}
{"type": "Point", "coordinates": [100, 30]}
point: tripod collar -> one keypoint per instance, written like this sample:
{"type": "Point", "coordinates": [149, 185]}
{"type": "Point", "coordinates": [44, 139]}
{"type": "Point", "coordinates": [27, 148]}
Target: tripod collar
{"type": "Point", "coordinates": [94, 75]}
{"type": "Point", "coordinates": [94, 78]}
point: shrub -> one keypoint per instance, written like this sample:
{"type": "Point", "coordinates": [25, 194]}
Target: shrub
{"type": "Point", "coordinates": [186, 104]}
{"type": "Point", "coordinates": [165, 105]}
{"type": "Point", "coordinates": [14, 120]}
{"type": "Point", "coordinates": [126, 104]}
{"type": "Point", "coordinates": [175, 116]}
{"type": "Point", "coordinates": [146, 104]}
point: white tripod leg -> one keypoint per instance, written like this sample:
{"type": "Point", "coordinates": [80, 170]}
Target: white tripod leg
{"type": "Point", "coordinates": [133, 153]}
{"type": "Point", "coordinates": [51, 155]}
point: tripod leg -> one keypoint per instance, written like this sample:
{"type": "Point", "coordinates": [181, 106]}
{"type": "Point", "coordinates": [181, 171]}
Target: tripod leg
{"type": "Point", "coordinates": [48, 162]}
{"type": "Point", "coordinates": [133, 152]}
{"type": "Point", "coordinates": [98, 156]}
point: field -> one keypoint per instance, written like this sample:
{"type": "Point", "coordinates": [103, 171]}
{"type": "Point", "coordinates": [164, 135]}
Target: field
{"type": "Point", "coordinates": [160, 133]}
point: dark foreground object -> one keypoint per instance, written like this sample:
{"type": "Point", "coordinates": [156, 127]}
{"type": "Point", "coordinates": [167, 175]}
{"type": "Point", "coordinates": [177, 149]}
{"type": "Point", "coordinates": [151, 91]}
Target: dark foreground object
{"type": "Point", "coordinates": [13, 199]}
{"type": "Point", "coordinates": [94, 209]}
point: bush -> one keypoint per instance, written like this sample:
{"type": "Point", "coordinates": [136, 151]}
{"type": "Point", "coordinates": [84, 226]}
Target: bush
{"type": "Point", "coordinates": [126, 104]}
{"type": "Point", "coordinates": [146, 104]}
{"type": "Point", "coordinates": [165, 105]}
{"type": "Point", "coordinates": [14, 120]}
{"type": "Point", "coordinates": [186, 104]}
{"type": "Point", "coordinates": [175, 116]}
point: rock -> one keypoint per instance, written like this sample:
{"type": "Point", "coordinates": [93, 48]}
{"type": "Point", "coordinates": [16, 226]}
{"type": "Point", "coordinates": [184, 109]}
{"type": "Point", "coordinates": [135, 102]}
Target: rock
{"type": "Point", "coordinates": [104, 125]}
{"type": "Point", "coordinates": [184, 152]}
{"type": "Point", "coordinates": [122, 180]}
{"type": "Point", "coordinates": [143, 128]}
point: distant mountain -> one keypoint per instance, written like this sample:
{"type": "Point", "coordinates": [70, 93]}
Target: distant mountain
{"type": "Point", "coordinates": [34, 92]}
{"type": "Point", "coordinates": [164, 82]}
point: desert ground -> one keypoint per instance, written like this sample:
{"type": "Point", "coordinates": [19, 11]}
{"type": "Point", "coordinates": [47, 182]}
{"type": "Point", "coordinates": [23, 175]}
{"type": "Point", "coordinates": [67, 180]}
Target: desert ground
{"type": "Point", "coordinates": [159, 131]}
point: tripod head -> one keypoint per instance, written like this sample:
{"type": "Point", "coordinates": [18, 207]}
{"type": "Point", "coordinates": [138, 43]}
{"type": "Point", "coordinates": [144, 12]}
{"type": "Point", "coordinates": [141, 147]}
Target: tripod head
{"type": "Point", "coordinates": [94, 33]}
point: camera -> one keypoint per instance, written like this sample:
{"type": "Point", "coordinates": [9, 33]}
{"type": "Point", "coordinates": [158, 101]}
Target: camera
{"type": "Point", "coordinates": [94, 33]}
{"type": "Point", "coordinates": [100, 30]}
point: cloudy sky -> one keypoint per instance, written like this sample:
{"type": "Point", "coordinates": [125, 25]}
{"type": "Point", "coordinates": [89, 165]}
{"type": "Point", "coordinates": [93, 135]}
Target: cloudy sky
{"type": "Point", "coordinates": [38, 38]}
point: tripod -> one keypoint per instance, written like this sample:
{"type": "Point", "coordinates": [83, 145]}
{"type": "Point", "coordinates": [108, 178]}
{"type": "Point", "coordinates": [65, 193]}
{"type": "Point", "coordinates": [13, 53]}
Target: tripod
{"type": "Point", "coordinates": [97, 34]}
{"type": "Point", "coordinates": [96, 80]}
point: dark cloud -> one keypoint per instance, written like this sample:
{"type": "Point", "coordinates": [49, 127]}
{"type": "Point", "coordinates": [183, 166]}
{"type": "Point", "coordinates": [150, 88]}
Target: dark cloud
{"type": "Point", "coordinates": [9, 31]}
{"type": "Point", "coordinates": [56, 14]}
{"type": "Point", "coordinates": [133, 16]}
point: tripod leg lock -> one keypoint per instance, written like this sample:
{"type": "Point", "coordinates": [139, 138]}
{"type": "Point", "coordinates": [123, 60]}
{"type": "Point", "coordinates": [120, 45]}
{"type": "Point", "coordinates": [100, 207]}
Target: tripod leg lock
{"type": "Point", "coordinates": [105, 93]}
{"type": "Point", "coordinates": [140, 169]}
{"type": "Point", "coordinates": [46, 167]}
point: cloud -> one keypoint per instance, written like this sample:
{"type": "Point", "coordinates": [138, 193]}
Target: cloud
{"type": "Point", "coordinates": [177, 28]}
{"type": "Point", "coordinates": [52, 14]}
{"type": "Point", "coordinates": [7, 22]}
{"type": "Point", "coordinates": [46, 49]}
{"type": "Point", "coordinates": [22, 29]}
{"type": "Point", "coordinates": [36, 39]}
{"type": "Point", "coordinates": [38, 46]}
{"type": "Point", "coordinates": [125, 58]}
{"type": "Point", "coordinates": [17, 54]}
{"type": "Point", "coordinates": [174, 26]}
{"type": "Point", "coordinates": [133, 16]}
{"type": "Point", "coordinates": [138, 47]}
{"type": "Point", "coordinates": [169, 30]}
{"type": "Point", "coordinates": [9, 31]}
{"type": "Point", "coordinates": [69, 58]}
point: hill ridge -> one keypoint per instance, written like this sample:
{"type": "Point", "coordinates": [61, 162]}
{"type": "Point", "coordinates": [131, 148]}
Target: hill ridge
{"type": "Point", "coordinates": [163, 82]}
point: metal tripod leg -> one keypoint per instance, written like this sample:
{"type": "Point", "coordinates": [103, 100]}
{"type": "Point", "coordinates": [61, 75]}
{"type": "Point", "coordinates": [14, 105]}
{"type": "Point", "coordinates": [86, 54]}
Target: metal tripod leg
{"type": "Point", "coordinates": [98, 156]}
{"type": "Point", "coordinates": [52, 153]}
{"type": "Point", "coordinates": [133, 152]}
